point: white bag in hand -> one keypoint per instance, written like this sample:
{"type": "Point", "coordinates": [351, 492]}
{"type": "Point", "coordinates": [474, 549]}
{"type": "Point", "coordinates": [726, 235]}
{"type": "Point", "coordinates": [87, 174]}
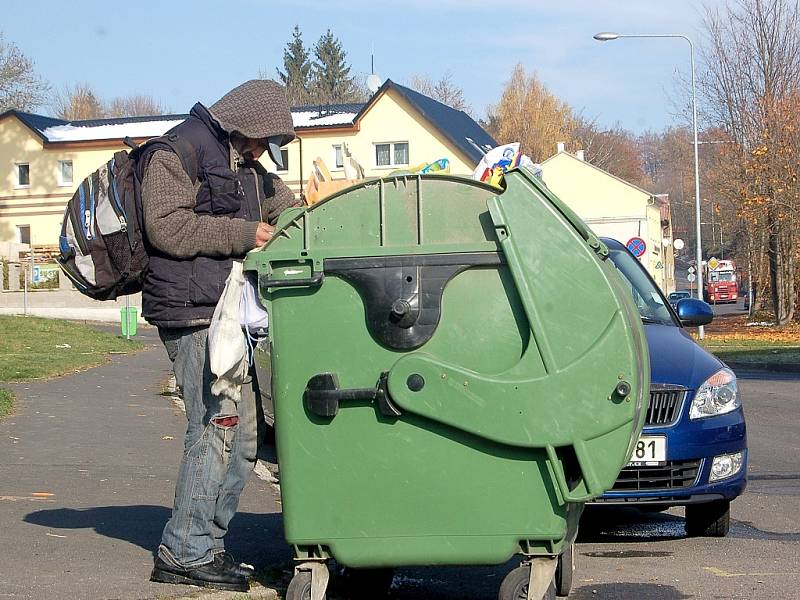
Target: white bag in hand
{"type": "Point", "coordinates": [253, 315]}
{"type": "Point", "coordinates": [227, 346]}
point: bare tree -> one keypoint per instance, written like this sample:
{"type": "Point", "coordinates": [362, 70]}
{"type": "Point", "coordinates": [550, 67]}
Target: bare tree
{"type": "Point", "coordinates": [750, 87]}
{"type": "Point", "coordinates": [138, 105]}
{"type": "Point", "coordinates": [20, 87]}
{"type": "Point", "coordinates": [444, 90]}
{"type": "Point", "coordinates": [77, 102]}
{"type": "Point", "coordinates": [614, 150]}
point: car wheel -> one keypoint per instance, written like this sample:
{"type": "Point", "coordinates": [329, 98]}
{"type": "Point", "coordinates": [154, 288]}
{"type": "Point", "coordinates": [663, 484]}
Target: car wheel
{"type": "Point", "coordinates": [712, 519]}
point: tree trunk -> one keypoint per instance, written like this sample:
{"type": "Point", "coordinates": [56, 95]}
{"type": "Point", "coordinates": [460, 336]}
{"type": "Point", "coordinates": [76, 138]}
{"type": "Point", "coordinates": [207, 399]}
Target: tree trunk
{"type": "Point", "coordinates": [773, 255]}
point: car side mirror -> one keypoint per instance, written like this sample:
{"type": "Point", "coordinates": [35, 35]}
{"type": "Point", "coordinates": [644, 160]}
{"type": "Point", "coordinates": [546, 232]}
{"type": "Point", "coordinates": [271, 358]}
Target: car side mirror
{"type": "Point", "coordinates": [693, 312]}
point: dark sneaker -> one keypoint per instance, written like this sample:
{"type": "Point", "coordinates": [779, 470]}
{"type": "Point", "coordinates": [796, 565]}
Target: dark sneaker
{"type": "Point", "coordinates": [242, 569]}
{"type": "Point", "coordinates": [216, 574]}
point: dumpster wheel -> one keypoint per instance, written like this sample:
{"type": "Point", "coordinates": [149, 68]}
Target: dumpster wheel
{"type": "Point", "coordinates": [515, 586]}
{"type": "Point", "coordinates": [565, 571]}
{"type": "Point", "coordinates": [306, 576]}
{"type": "Point", "coordinates": [299, 587]}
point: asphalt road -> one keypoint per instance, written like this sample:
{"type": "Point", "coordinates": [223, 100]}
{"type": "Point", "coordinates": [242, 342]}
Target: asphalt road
{"type": "Point", "coordinates": [87, 475]}
{"type": "Point", "coordinates": [723, 310]}
{"type": "Point", "coordinates": [627, 555]}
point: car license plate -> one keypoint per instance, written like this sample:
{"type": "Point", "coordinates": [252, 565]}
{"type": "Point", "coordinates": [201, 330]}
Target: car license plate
{"type": "Point", "coordinates": [649, 451]}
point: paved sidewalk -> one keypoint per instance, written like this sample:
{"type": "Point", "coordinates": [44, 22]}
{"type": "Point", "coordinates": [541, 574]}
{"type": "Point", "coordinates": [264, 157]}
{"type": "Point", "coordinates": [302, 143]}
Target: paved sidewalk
{"type": "Point", "coordinates": [86, 485]}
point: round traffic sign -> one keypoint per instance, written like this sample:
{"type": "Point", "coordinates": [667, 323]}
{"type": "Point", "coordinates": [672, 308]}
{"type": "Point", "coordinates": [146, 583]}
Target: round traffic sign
{"type": "Point", "coordinates": [637, 246]}
{"type": "Point", "coordinates": [691, 277]}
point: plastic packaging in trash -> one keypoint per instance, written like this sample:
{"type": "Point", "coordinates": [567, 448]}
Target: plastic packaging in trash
{"type": "Point", "coordinates": [441, 166]}
{"type": "Point", "coordinates": [501, 159]}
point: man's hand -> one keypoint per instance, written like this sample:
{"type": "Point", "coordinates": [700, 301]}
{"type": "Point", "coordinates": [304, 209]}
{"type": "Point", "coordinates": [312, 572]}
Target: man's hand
{"type": "Point", "coordinates": [264, 234]}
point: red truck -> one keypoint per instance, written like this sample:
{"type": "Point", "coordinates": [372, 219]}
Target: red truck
{"type": "Point", "coordinates": [719, 281]}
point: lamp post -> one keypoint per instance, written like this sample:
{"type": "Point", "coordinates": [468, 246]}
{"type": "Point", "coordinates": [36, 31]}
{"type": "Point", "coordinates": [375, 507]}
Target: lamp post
{"type": "Point", "coordinates": [608, 36]}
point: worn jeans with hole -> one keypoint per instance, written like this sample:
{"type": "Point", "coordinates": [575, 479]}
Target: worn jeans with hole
{"type": "Point", "coordinates": [217, 459]}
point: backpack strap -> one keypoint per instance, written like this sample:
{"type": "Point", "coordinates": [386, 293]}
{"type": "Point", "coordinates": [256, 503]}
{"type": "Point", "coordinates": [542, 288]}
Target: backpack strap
{"type": "Point", "coordinates": [180, 146]}
{"type": "Point", "coordinates": [185, 152]}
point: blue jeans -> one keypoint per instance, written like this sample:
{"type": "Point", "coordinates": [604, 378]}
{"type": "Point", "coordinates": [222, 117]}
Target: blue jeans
{"type": "Point", "coordinates": [222, 439]}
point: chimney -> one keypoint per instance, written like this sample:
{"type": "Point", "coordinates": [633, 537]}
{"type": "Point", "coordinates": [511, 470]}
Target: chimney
{"type": "Point", "coordinates": [579, 155]}
{"type": "Point", "coordinates": [560, 147]}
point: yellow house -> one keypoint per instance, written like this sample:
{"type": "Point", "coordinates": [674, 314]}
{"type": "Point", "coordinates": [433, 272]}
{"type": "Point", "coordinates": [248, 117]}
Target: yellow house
{"type": "Point", "coordinates": [42, 159]}
{"type": "Point", "coordinates": [615, 208]}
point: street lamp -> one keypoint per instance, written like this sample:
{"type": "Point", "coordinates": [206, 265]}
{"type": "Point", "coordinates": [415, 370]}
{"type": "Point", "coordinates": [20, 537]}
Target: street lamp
{"type": "Point", "coordinates": [607, 36]}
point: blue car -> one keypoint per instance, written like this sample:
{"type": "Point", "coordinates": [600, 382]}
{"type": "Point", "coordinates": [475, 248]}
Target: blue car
{"type": "Point", "coordinates": [693, 448]}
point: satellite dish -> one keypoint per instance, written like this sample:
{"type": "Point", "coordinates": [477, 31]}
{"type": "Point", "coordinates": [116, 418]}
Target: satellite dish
{"type": "Point", "coordinates": [678, 243]}
{"type": "Point", "coordinates": [373, 83]}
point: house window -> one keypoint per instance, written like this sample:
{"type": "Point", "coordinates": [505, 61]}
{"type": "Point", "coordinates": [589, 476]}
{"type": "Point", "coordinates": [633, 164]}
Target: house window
{"type": "Point", "coordinates": [65, 172]}
{"type": "Point", "coordinates": [401, 153]}
{"type": "Point", "coordinates": [284, 160]}
{"type": "Point", "coordinates": [338, 156]}
{"type": "Point", "coordinates": [391, 154]}
{"type": "Point", "coordinates": [23, 175]}
{"type": "Point", "coordinates": [24, 234]}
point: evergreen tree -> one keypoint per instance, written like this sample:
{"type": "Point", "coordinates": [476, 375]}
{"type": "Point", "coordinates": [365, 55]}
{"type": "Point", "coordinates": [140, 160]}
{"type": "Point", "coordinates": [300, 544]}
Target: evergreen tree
{"type": "Point", "coordinates": [331, 82]}
{"type": "Point", "coordinates": [297, 70]}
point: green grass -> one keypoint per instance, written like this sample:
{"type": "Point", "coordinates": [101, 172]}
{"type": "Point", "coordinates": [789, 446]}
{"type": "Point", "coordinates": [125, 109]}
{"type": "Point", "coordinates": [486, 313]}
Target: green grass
{"type": "Point", "coordinates": [6, 402]}
{"type": "Point", "coordinates": [34, 348]}
{"type": "Point", "coordinates": [756, 352]}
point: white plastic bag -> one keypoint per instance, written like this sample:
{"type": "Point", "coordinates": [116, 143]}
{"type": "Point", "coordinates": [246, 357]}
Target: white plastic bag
{"type": "Point", "coordinates": [252, 315]}
{"type": "Point", "coordinates": [227, 344]}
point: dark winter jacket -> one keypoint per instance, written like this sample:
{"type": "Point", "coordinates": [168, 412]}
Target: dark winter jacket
{"type": "Point", "coordinates": [193, 230]}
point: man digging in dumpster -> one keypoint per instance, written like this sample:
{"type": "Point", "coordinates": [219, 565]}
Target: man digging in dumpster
{"type": "Point", "coordinates": [194, 229]}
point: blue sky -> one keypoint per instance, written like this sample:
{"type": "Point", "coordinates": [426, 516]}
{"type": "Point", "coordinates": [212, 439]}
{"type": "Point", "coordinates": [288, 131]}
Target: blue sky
{"type": "Point", "coordinates": [185, 51]}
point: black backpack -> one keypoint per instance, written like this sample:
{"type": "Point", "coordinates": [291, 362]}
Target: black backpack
{"type": "Point", "coordinates": [101, 246]}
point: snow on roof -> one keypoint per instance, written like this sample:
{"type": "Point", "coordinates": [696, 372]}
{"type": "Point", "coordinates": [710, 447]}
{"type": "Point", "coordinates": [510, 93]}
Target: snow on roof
{"type": "Point", "coordinates": [116, 131]}
{"type": "Point", "coordinates": [74, 132]}
{"type": "Point", "coordinates": [316, 118]}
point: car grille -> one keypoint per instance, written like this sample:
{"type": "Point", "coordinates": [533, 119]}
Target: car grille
{"type": "Point", "coordinates": [665, 404]}
{"type": "Point", "coordinates": [674, 474]}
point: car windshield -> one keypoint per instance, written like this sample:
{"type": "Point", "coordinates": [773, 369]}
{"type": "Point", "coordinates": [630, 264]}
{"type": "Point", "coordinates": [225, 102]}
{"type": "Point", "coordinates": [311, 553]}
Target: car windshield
{"type": "Point", "coordinates": [678, 295]}
{"type": "Point", "coordinates": [648, 299]}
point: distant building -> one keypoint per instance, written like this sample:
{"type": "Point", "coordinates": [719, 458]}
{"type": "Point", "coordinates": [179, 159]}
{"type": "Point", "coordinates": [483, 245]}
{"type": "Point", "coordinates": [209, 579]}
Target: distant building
{"type": "Point", "coordinates": [615, 208]}
{"type": "Point", "coordinates": [43, 159]}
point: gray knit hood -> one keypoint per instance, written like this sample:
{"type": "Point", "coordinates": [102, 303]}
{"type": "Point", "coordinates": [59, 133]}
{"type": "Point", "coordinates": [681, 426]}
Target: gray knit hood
{"type": "Point", "coordinates": [256, 109]}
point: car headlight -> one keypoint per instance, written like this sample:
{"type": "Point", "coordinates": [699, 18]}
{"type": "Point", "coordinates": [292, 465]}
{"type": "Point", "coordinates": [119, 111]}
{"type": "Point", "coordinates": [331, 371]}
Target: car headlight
{"type": "Point", "coordinates": [718, 395]}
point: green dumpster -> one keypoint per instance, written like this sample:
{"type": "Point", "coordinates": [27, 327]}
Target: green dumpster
{"type": "Point", "coordinates": [455, 371]}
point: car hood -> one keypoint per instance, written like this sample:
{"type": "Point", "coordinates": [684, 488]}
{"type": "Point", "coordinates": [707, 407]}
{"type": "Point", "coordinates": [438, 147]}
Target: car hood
{"type": "Point", "coordinates": [675, 358]}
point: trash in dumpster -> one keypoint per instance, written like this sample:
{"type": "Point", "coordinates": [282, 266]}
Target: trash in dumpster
{"type": "Point", "coordinates": [497, 161]}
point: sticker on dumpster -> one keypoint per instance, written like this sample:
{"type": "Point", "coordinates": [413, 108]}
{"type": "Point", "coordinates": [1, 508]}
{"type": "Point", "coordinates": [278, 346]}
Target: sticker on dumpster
{"type": "Point", "coordinates": [637, 246]}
